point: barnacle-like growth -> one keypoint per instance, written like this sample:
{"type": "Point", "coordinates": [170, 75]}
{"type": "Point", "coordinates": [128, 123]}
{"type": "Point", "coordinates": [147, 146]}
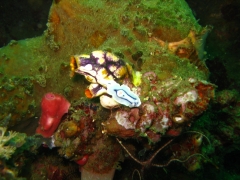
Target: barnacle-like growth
{"type": "Point", "coordinates": [193, 43]}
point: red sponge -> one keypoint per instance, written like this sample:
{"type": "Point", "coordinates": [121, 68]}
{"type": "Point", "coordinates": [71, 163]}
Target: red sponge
{"type": "Point", "coordinates": [54, 106]}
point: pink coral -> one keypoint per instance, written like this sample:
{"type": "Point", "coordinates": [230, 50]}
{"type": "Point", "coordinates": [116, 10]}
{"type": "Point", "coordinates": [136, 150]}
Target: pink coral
{"type": "Point", "coordinates": [54, 106]}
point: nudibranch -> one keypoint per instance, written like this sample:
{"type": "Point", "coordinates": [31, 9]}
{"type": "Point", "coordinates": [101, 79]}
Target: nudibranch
{"type": "Point", "coordinates": [99, 67]}
{"type": "Point", "coordinates": [123, 95]}
{"type": "Point", "coordinates": [102, 69]}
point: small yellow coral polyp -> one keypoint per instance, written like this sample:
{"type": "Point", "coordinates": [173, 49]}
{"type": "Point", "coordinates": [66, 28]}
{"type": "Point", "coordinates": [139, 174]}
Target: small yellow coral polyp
{"type": "Point", "coordinates": [136, 75]}
{"type": "Point", "coordinates": [137, 78]}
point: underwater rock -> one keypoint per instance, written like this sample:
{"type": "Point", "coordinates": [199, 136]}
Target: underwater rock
{"type": "Point", "coordinates": [170, 91]}
{"type": "Point", "coordinates": [80, 27]}
{"type": "Point", "coordinates": [78, 139]}
{"type": "Point", "coordinates": [52, 167]}
{"type": "Point", "coordinates": [168, 103]}
{"type": "Point", "coordinates": [167, 107]}
{"type": "Point", "coordinates": [189, 146]}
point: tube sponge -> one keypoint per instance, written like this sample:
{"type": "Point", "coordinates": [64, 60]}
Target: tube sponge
{"type": "Point", "coordinates": [54, 106]}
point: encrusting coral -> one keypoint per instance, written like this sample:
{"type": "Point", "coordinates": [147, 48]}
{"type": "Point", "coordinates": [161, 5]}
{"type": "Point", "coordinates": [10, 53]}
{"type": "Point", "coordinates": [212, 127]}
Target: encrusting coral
{"type": "Point", "coordinates": [81, 27]}
{"type": "Point", "coordinates": [148, 89]}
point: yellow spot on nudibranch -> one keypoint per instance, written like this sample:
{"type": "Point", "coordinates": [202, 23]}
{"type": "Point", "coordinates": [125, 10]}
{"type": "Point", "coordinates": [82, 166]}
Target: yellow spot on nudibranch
{"type": "Point", "coordinates": [84, 56]}
{"type": "Point", "coordinates": [120, 72]}
{"type": "Point", "coordinates": [73, 66]}
{"type": "Point", "coordinates": [98, 54]}
{"type": "Point", "coordinates": [102, 72]}
{"type": "Point", "coordinates": [73, 63]}
{"type": "Point", "coordinates": [90, 79]}
{"type": "Point", "coordinates": [112, 68]}
{"type": "Point", "coordinates": [112, 56]}
{"type": "Point", "coordinates": [101, 61]}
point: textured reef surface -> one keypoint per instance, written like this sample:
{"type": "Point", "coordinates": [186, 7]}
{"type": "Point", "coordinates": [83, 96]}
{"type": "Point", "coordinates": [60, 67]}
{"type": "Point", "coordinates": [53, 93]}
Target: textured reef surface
{"type": "Point", "coordinates": [108, 83]}
{"type": "Point", "coordinates": [130, 29]}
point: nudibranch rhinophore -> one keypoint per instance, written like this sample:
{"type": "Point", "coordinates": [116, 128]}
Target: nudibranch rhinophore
{"type": "Point", "coordinates": [102, 69]}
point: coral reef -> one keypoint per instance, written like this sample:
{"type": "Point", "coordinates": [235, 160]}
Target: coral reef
{"type": "Point", "coordinates": [78, 139]}
{"type": "Point", "coordinates": [145, 62]}
{"type": "Point", "coordinates": [53, 167]}
{"type": "Point", "coordinates": [80, 27]}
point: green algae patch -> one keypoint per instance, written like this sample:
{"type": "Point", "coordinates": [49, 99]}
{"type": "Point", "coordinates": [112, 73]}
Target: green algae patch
{"type": "Point", "coordinates": [129, 29]}
{"type": "Point", "coordinates": [171, 14]}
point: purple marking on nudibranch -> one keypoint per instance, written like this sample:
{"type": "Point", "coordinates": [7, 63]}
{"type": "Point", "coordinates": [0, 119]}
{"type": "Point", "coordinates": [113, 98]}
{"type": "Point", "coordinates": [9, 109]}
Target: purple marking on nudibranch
{"type": "Point", "coordinates": [100, 67]}
{"type": "Point", "coordinates": [84, 61]}
{"type": "Point", "coordinates": [96, 89]}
